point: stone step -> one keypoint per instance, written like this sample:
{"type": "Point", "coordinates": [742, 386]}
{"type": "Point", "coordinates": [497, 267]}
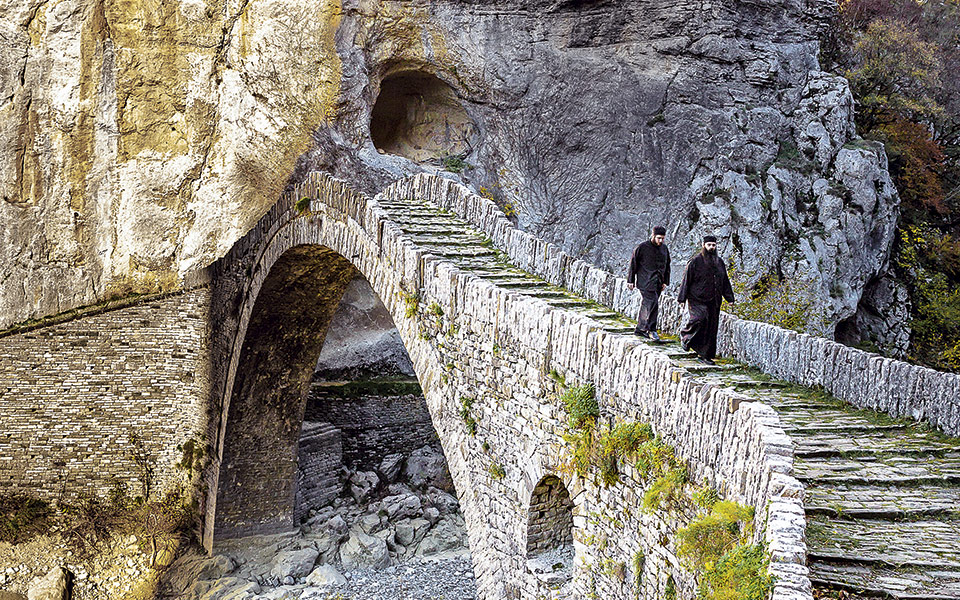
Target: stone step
{"type": "Point", "coordinates": [455, 239]}
{"type": "Point", "coordinates": [880, 501]}
{"type": "Point", "coordinates": [889, 470]}
{"type": "Point", "coordinates": [927, 544]}
{"type": "Point", "coordinates": [882, 582]}
{"type": "Point", "coordinates": [804, 420]}
{"type": "Point", "coordinates": [457, 252]}
{"type": "Point", "coordinates": [824, 443]}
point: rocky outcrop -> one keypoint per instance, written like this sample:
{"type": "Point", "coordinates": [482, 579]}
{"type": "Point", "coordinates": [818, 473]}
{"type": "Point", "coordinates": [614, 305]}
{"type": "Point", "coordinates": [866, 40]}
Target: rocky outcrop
{"type": "Point", "coordinates": [139, 144]}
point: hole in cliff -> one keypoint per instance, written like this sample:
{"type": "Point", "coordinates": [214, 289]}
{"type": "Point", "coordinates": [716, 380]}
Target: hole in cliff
{"type": "Point", "coordinates": [419, 117]}
{"type": "Point", "coordinates": [550, 532]}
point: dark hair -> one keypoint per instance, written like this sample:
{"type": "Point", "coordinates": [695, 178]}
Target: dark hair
{"type": "Point", "coordinates": [659, 230]}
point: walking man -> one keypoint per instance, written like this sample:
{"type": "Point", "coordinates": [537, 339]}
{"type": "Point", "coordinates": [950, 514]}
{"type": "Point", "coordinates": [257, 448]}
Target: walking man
{"type": "Point", "coordinates": [650, 272]}
{"type": "Point", "coordinates": [705, 285]}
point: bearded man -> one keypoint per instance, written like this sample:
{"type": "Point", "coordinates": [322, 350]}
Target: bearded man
{"type": "Point", "coordinates": [650, 272]}
{"type": "Point", "coordinates": [704, 287]}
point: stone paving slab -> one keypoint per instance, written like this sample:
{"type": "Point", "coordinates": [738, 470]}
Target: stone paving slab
{"type": "Point", "coordinates": [871, 501]}
{"type": "Point", "coordinates": [933, 544]}
{"type": "Point", "coordinates": [923, 584]}
{"type": "Point", "coordinates": [819, 442]}
{"type": "Point", "coordinates": [882, 470]}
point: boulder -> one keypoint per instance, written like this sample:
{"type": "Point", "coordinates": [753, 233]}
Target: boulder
{"type": "Point", "coordinates": [325, 576]}
{"type": "Point", "coordinates": [335, 525]}
{"type": "Point", "coordinates": [442, 501]}
{"type": "Point", "coordinates": [215, 567]}
{"type": "Point", "coordinates": [294, 563]}
{"type": "Point", "coordinates": [370, 522]}
{"type": "Point", "coordinates": [427, 466]}
{"type": "Point", "coordinates": [400, 507]}
{"type": "Point", "coordinates": [243, 591]}
{"type": "Point", "coordinates": [55, 585]}
{"type": "Point", "coordinates": [227, 588]}
{"type": "Point", "coordinates": [446, 535]}
{"type": "Point", "coordinates": [390, 467]}
{"type": "Point", "coordinates": [362, 485]}
{"type": "Point", "coordinates": [362, 551]}
{"type": "Point", "coordinates": [411, 531]}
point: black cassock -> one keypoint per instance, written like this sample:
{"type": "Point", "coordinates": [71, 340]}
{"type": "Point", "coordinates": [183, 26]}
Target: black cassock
{"type": "Point", "coordinates": [705, 284]}
{"type": "Point", "coordinates": [649, 270]}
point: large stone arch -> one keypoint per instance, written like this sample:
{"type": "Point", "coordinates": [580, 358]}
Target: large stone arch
{"type": "Point", "coordinates": [482, 348]}
{"type": "Point", "coordinates": [284, 281]}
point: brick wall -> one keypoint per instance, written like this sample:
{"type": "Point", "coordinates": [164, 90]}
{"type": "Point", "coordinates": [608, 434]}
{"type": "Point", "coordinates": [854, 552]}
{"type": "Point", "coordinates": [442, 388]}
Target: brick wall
{"type": "Point", "coordinates": [319, 460]}
{"type": "Point", "coordinates": [373, 426]}
{"type": "Point", "coordinates": [551, 516]}
{"type": "Point", "coordinates": [80, 399]}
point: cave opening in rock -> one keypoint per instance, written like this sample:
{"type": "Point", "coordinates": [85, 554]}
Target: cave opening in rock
{"type": "Point", "coordinates": [418, 116]}
{"type": "Point", "coordinates": [550, 531]}
{"type": "Point", "coordinates": [329, 440]}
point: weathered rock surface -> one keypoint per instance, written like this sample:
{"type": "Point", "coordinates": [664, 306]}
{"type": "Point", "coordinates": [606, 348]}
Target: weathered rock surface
{"type": "Point", "coordinates": [296, 564]}
{"type": "Point", "coordinates": [139, 145]}
{"type": "Point", "coordinates": [325, 576]}
{"type": "Point", "coordinates": [54, 586]}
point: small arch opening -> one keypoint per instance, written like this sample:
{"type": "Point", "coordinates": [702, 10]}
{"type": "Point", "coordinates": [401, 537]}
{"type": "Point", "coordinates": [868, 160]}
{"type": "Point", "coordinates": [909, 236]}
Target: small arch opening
{"type": "Point", "coordinates": [420, 117]}
{"type": "Point", "coordinates": [550, 532]}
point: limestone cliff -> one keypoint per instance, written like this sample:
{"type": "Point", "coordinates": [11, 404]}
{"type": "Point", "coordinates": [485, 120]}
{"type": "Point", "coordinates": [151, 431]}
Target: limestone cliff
{"type": "Point", "coordinates": [141, 139]}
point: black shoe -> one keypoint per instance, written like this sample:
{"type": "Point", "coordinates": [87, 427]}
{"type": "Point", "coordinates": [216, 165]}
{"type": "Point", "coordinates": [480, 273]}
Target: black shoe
{"type": "Point", "coordinates": [685, 345]}
{"type": "Point", "coordinates": [654, 336]}
{"type": "Point", "coordinates": [705, 361]}
{"type": "Point", "coordinates": [641, 333]}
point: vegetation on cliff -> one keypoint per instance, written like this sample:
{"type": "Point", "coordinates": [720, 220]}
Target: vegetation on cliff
{"type": "Point", "coordinates": [898, 56]}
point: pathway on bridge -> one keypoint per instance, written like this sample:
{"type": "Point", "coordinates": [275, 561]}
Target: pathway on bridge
{"type": "Point", "coordinates": [883, 495]}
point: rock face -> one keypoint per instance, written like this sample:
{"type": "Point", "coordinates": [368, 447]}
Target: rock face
{"type": "Point", "coordinates": [362, 339]}
{"type": "Point", "coordinates": [54, 586]}
{"type": "Point", "coordinates": [139, 144]}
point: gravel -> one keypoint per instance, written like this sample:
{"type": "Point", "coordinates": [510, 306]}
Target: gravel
{"type": "Point", "coordinates": [433, 579]}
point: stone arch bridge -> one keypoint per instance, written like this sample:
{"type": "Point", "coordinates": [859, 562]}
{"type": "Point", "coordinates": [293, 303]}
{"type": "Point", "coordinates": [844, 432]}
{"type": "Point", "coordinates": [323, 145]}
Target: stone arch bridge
{"type": "Point", "coordinates": [213, 382]}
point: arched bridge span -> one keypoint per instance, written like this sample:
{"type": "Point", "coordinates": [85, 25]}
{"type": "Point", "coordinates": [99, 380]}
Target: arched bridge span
{"type": "Point", "coordinates": [484, 337]}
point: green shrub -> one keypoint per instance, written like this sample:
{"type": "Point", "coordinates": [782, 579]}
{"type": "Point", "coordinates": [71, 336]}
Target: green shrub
{"type": "Point", "coordinates": [712, 535]}
{"type": "Point", "coordinates": [665, 492]}
{"type": "Point", "coordinates": [455, 163]}
{"type": "Point", "coordinates": [302, 205]}
{"type": "Point", "coordinates": [412, 302]}
{"type": "Point", "coordinates": [740, 574]}
{"type": "Point", "coordinates": [706, 497]}
{"type": "Point", "coordinates": [655, 458]}
{"type": "Point", "coordinates": [22, 517]}
{"type": "Point", "coordinates": [466, 404]}
{"type": "Point", "coordinates": [581, 405]}
{"type": "Point", "coordinates": [614, 445]}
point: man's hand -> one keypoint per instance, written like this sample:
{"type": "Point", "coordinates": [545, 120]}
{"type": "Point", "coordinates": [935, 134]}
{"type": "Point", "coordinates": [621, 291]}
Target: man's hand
{"type": "Point", "coordinates": [663, 286]}
{"type": "Point", "coordinates": [630, 285]}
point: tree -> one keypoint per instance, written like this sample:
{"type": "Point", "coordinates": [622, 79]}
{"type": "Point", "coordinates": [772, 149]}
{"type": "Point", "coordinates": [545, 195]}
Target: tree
{"type": "Point", "coordinates": [895, 75]}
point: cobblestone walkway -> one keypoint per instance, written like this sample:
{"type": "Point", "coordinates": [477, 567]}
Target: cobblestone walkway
{"type": "Point", "coordinates": [883, 495]}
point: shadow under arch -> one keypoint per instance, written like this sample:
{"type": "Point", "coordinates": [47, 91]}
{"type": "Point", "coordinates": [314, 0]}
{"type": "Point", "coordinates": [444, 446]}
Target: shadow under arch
{"type": "Point", "coordinates": [256, 489]}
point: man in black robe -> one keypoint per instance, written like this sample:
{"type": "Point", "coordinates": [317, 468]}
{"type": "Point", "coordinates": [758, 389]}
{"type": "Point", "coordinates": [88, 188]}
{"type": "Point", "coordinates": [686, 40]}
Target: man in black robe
{"type": "Point", "coordinates": [704, 287]}
{"type": "Point", "coordinates": [650, 272]}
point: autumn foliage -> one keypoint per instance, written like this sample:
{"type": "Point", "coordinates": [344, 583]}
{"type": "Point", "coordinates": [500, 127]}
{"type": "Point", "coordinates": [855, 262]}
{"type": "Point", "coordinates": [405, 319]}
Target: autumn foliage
{"type": "Point", "coordinates": [902, 58]}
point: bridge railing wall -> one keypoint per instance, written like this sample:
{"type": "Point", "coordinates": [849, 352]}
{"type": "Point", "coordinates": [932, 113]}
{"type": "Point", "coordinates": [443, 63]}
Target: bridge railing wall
{"type": "Point", "coordinates": [863, 379]}
{"type": "Point", "coordinates": [737, 446]}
